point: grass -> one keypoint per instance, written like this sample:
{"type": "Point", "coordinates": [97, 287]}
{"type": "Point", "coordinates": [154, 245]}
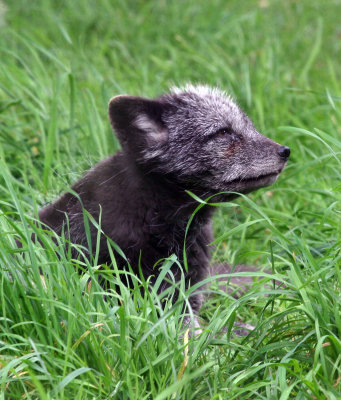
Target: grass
{"type": "Point", "coordinates": [63, 338]}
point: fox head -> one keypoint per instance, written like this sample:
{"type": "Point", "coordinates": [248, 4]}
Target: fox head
{"type": "Point", "coordinates": [199, 137]}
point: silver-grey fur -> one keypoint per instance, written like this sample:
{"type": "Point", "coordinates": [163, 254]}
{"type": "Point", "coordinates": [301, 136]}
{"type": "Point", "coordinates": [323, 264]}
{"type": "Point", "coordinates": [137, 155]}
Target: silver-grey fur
{"type": "Point", "coordinates": [194, 138]}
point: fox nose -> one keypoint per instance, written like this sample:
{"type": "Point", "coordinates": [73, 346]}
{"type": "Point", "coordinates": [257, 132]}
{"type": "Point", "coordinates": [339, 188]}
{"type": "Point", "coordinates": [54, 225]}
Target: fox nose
{"type": "Point", "coordinates": [284, 152]}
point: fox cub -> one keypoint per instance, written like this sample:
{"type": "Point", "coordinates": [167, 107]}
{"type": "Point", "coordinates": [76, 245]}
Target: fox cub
{"type": "Point", "coordinates": [194, 139]}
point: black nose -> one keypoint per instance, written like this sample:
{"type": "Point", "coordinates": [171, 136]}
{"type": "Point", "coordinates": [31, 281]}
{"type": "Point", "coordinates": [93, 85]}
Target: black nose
{"type": "Point", "coordinates": [284, 152]}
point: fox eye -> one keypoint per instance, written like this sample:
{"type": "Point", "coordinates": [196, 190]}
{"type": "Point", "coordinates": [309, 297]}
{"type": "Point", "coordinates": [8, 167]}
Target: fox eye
{"type": "Point", "coordinates": [224, 132]}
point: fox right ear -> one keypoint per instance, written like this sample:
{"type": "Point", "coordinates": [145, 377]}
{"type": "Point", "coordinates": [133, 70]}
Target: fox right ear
{"type": "Point", "coordinates": [137, 121]}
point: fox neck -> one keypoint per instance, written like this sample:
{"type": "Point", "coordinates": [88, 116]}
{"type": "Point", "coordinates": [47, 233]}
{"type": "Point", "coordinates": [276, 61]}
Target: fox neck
{"type": "Point", "coordinates": [170, 196]}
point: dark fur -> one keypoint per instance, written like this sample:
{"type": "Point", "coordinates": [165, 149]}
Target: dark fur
{"type": "Point", "coordinates": [169, 145]}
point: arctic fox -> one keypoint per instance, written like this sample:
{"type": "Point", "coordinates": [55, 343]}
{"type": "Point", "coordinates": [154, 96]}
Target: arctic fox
{"type": "Point", "coordinates": [193, 139]}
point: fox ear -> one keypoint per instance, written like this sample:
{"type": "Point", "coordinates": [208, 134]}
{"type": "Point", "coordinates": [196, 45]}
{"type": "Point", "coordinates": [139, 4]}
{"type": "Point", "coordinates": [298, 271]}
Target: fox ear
{"type": "Point", "coordinates": [137, 121]}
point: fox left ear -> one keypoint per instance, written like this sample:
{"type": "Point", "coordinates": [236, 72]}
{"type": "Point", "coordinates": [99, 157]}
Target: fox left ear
{"type": "Point", "coordinates": [137, 121]}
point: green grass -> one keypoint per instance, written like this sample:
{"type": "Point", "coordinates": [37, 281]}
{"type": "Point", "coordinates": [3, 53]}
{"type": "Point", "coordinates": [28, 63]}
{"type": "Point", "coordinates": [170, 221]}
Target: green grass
{"type": "Point", "coordinates": [61, 337]}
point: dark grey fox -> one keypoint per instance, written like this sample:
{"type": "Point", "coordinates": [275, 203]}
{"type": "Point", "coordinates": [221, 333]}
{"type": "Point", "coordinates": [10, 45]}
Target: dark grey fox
{"type": "Point", "coordinates": [192, 139]}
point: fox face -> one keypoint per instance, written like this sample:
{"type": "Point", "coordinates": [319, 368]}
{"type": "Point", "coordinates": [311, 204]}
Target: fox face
{"type": "Point", "coordinates": [200, 138]}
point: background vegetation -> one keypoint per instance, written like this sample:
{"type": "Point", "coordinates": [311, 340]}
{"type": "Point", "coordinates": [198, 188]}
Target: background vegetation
{"type": "Point", "coordinates": [60, 337]}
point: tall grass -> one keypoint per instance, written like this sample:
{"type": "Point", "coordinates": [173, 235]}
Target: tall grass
{"type": "Point", "coordinates": [62, 335]}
